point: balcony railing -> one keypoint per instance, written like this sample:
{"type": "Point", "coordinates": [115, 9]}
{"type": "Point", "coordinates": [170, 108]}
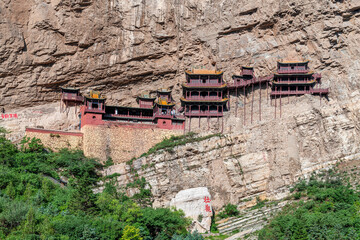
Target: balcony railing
{"type": "Point", "coordinates": [206, 84]}
{"type": "Point", "coordinates": [244, 83]}
{"type": "Point", "coordinates": [204, 114]}
{"type": "Point", "coordinates": [294, 81]}
{"type": "Point", "coordinates": [205, 98]}
{"type": "Point", "coordinates": [169, 116]}
{"type": "Point", "coordinates": [150, 106]}
{"type": "Point", "coordinates": [295, 70]}
{"type": "Point", "coordinates": [72, 97]}
{"type": "Point", "coordinates": [128, 116]}
{"type": "Point", "coordinates": [319, 90]}
{"type": "Point", "coordinates": [300, 92]}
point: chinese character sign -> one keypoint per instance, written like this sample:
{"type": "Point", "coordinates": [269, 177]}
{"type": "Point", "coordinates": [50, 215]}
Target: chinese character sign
{"type": "Point", "coordinates": [207, 206]}
{"type": "Point", "coordinates": [11, 115]}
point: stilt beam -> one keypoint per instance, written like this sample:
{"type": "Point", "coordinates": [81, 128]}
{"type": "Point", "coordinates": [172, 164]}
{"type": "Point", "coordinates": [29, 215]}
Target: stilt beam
{"type": "Point", "coordinates": [244, 106]}
{"type": "Point", "coordinates": [252, 102]}
{"type": "Point", "coordinates": [267, 93]}
{"type": "Point", "coordinates": [236, 103]}
{"type": "Point", "coordinates": [280, 100]}
{"type": "Point", "coordinates": [199, 121]}
{"type": "Point", "coordinates": [208, 123]}
{"type": "Point", "coordinates": [275, 103]}
{"type": "Point", "coordinates": [260, 103]}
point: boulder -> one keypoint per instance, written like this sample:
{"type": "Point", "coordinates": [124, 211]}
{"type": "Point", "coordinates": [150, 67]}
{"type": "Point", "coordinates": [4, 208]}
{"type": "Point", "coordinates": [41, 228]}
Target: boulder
{"type": "Point", "coordinates": [196, 204]}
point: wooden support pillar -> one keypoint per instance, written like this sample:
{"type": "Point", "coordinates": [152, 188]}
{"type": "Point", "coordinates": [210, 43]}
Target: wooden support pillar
{"type": "Point", "coordinates": [275, 101]}
{"type": "Point", "coordinates": [280, 101]}
{"type": "Point", "coordinates": [236, 102]}
{"type": "Point", "coordinates": [208, 123]}
{"type": "Point", "coordinates": [260, 103]}
{"type": "Point", "coordinates": [244, 106]}
{"type": "Point", "coordinates": [252, 102]}
{"type": "Point", "coordinates": [199, 120]}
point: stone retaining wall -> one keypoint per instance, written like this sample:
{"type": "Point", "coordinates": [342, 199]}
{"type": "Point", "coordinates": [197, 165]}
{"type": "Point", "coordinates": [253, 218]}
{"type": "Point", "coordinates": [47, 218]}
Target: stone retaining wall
{"type": "Point", "coordinates": [56, 140]}
{"type": "Point", "coordinates": [121, 143]}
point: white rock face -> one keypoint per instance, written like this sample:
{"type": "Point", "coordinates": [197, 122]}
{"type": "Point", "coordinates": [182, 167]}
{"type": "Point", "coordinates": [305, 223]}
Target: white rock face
{"type": "Point", "coordinates": [193, 202]}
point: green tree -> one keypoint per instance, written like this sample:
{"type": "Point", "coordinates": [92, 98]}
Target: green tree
{"type": "Point", "coordinates": [29, 226]}
{"type": "Point", "coordinates": [10, 190]}
{"type": "Point", "coordinates": [131, 233]}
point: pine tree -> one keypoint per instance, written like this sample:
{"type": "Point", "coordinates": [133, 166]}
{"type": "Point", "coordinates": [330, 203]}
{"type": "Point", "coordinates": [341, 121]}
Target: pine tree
{"type": "Point", "coordinates": [10, 190]}
{"type": "Point", "coordinates": [29, 226]}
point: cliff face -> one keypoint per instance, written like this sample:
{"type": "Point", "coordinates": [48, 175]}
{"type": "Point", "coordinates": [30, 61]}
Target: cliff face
{"type": "Point", "coordinates": [258, 160]}
{"type": "Point", "coordinates": [123, 47]}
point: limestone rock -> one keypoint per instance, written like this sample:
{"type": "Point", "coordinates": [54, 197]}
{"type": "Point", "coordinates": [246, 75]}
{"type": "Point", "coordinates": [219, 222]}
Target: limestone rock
{"type": "Point", "coordinates": [193, 202]}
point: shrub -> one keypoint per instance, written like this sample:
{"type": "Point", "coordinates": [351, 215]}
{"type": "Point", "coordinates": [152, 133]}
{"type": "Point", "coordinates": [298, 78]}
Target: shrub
{"type": "Point", "coordinates": [230, 210]}
{"type": "Point", "coordinates": [332, 212]}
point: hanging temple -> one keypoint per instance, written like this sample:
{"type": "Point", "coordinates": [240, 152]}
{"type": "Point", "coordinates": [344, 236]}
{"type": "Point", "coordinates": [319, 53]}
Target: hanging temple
{"type": "Point", "coordinates": [205, 95]}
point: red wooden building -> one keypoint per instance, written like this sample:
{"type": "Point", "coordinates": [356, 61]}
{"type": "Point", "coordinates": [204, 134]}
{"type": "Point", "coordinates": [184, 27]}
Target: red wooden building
{"type": "Point", "coordinates": [166, 115]}
{"type": "Point", "coordinates": [204, 93]}
{"type": "Point", "coordinates": [295, 78]}
{"type": "Point", "coordinates": [148, 114]}
{"type": "Point", "coordinates": [70, 97]}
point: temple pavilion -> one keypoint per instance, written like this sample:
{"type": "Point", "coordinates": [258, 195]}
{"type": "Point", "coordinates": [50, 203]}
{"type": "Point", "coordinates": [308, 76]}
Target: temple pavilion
{"type": "Point", "coordinates": [204, 93]}
{"type": "Point", "coordinates": [166, 115]}
{"type": "Point", "coordinates": [295, 78]}
{"type": "Point", "coordinates": [70, 97]}
{"type": "Point", "coordinates": [160, 113]}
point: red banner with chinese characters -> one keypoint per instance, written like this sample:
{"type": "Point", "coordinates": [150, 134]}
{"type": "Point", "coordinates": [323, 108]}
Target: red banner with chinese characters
{"type": "Point", "coordinates": [207, 206]}
{"type": "Point", "coordinates": [9, 115]}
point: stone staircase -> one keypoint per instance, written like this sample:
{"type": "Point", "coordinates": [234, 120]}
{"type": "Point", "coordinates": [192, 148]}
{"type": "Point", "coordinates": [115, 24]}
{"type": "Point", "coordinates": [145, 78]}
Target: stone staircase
{"type": "Point", "coordinates": [249, 222]}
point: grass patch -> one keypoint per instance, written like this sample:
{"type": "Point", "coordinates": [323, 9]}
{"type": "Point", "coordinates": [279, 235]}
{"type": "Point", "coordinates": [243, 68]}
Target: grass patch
{"type": "Point", "coordinates": [168, 144]}
{"type": "Point", "coordinates": [220, 237]}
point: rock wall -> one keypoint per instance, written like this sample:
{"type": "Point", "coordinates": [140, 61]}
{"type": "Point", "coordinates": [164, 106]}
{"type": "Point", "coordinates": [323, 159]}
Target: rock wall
{"type": "Point", "coordinates": [256, 160]}
{"type": "Point", "coordinates": [121, 143]}
{"type": "Point", "coordinates": [57, 140]}
{"type": "Point", "coordinates": [123, 47]}
{"type": "Point", "coordinates": [45, 116]}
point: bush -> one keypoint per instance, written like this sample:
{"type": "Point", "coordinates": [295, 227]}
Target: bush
{"type": "Point", "coordinates": [230, 210]}
{"type": "Point", "coordinates": [332, 212]}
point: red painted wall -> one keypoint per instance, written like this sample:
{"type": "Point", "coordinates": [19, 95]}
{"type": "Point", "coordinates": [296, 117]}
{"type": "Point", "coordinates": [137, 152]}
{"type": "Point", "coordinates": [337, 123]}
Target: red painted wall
{"type": "Point", "coordinates": [96, 119]}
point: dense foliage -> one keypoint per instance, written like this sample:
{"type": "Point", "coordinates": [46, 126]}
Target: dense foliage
{"type": "Point", "coordinates": [230, 210]}
{"type": "Point", "coordinates": [324, 209]}
{"type": "Point", "coordinates": [47, 195]}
